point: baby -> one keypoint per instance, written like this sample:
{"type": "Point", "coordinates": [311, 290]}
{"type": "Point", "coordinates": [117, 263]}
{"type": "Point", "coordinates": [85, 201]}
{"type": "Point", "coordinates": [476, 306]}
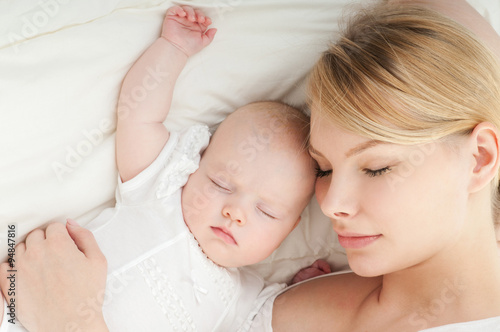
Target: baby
{"type": "Point", "coordinates": [184, 224]}
{"type": "Point", "coordinates": [245, 196]}
{"type": "Point", "coordinates": [254, 179]}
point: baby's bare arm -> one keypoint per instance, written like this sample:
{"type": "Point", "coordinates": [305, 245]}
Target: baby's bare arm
{"type": "Point", "coordinates": [147, 89]}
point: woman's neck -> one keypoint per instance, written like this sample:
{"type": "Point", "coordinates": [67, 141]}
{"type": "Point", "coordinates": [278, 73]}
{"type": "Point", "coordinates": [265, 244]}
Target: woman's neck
{"type": "Point", "coordinates": [460, 283]}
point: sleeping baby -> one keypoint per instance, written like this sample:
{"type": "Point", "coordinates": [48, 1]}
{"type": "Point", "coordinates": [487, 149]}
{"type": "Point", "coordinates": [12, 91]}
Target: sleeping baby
{"type": "Point", "coordinates": [190, 215]}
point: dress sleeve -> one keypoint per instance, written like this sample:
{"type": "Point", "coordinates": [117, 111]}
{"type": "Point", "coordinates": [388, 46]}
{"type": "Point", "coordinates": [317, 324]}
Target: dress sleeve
{"type": "Point", "coordinates": [260, 319]}
{"type": "Point", "coordinates": [169, 171]}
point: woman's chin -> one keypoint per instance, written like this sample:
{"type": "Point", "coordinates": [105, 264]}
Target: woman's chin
{"type": "Point", "coordinates": [366, 273]}
{"type": "Point", "coordinates": [364, 268]}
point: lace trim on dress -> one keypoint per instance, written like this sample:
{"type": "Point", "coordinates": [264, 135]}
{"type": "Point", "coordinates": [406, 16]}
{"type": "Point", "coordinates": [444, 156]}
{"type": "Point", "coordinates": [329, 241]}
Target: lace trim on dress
{"type": "Point", "coordinates": [183, 161]}
{"type": "Point", "coordinates": [224, 282]}
{"type": "Point", "coordinates": [166, 296]}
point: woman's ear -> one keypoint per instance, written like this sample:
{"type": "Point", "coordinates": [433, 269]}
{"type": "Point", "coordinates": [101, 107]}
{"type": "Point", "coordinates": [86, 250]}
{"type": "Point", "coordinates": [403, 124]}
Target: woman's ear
{"type": "Point", "coordinates": [484, 141]}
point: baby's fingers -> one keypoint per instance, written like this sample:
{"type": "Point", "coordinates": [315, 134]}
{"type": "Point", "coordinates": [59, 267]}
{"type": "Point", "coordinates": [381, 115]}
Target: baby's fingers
{"type": "Point", "coordinates": [190, 14]}
{"type": "Point", "coordinates": [176, 11]}
{"type": "Point", "coordinates": [208, 21]}
{"type": "Point", "coordinates": [201, 18]}
{"type": "Point", "coordinates": [209, 36]}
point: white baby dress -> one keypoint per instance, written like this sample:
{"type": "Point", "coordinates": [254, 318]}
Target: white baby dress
{"type": "Point", "coordinates": [158, 277]}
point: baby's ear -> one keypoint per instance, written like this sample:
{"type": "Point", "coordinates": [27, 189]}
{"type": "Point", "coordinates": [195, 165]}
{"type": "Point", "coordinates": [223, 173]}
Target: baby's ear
{"type": "Point", "coordinates": [484, 141]}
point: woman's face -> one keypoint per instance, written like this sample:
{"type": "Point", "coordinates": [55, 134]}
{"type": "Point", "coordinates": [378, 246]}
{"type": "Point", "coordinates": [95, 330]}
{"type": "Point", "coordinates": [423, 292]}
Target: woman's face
{"type": "Point", "coordinates": [393, 206]}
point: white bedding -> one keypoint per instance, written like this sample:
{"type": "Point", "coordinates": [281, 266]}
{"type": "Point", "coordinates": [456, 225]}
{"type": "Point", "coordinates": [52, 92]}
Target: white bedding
{"type": "Point", "coordinates": [61, 66]}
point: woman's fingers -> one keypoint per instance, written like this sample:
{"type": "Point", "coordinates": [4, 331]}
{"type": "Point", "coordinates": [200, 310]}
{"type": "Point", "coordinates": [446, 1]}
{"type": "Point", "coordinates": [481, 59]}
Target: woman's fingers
{"type": "Point", "coordinates": [46, 290]}
{"type": "Point", "coordinates": [84, 240]}
{"type": "Point", "coordinates": [35, 237]}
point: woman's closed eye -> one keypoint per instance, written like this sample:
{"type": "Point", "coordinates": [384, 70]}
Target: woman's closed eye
{"type": "Point", "coordinates": [320, 173]}
{"type": "Point", "coordinates": [377, 172]}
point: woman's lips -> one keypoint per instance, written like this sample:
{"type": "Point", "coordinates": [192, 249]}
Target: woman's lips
{"type": "Point", "coordinates": [356, 241]}
{"type": "Point", "coordinates": [225, 235]}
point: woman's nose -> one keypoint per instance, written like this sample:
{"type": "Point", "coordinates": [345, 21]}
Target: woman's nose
{"type": "Point", "coordinates": [337, 198]}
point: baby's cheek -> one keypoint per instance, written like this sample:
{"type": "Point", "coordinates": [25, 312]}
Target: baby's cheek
{"type": "Point", "coordinates": [264, 245]}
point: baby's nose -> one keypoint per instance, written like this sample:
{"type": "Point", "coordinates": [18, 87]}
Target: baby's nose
{"type": "Point", "coordinates": [234, 213]}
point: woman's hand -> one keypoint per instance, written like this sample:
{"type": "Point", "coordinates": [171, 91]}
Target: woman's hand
{"type": "Point", "coordinates": [59, 273]}
{"type": "Point", "coordinates": [186, 28]}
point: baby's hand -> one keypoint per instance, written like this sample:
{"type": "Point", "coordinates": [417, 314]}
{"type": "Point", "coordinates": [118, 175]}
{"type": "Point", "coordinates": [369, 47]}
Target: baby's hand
{"type": "Point", "coordinates": [318, 268]}
{"type": "Point", "coordinates": [186, 29]}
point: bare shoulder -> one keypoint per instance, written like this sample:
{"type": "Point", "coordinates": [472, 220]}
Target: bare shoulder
{"type": "Point", "coordinates": [322, 304]}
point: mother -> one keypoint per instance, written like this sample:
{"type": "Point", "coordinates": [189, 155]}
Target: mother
{"type": "Point", "coordinates": [404, 127]}
{"type": "Point", "coordinates": [405, 111]}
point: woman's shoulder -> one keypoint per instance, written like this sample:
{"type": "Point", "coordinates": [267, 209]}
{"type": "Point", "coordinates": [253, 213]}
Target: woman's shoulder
{"type": "Point", "coordinates": [320, 304]}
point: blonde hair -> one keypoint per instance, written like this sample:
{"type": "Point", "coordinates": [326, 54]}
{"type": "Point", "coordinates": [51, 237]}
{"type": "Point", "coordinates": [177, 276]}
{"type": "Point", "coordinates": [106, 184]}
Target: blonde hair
{"type": "Point", "coordinates": [407, 75]}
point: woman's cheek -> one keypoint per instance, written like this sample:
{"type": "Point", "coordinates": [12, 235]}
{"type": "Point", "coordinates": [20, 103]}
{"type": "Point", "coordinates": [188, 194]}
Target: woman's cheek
{"type": "Point", "coordinates": [321, 189]}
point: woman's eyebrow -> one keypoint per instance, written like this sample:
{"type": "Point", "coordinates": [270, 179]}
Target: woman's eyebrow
{"type": "Point", "coordinates": [362, 147]}
{"type": "Point", "coordinates": [352, 152]}
{"type": "Point", "coordinates": [314, 151]}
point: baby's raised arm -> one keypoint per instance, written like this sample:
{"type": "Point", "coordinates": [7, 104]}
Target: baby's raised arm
{"type": "Point", "coordinates": [146, 92]}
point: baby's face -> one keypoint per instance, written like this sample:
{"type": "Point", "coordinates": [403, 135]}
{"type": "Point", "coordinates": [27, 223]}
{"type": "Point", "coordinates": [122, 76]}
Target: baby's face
{"type": "Point", "coordinates": [246, 196]}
